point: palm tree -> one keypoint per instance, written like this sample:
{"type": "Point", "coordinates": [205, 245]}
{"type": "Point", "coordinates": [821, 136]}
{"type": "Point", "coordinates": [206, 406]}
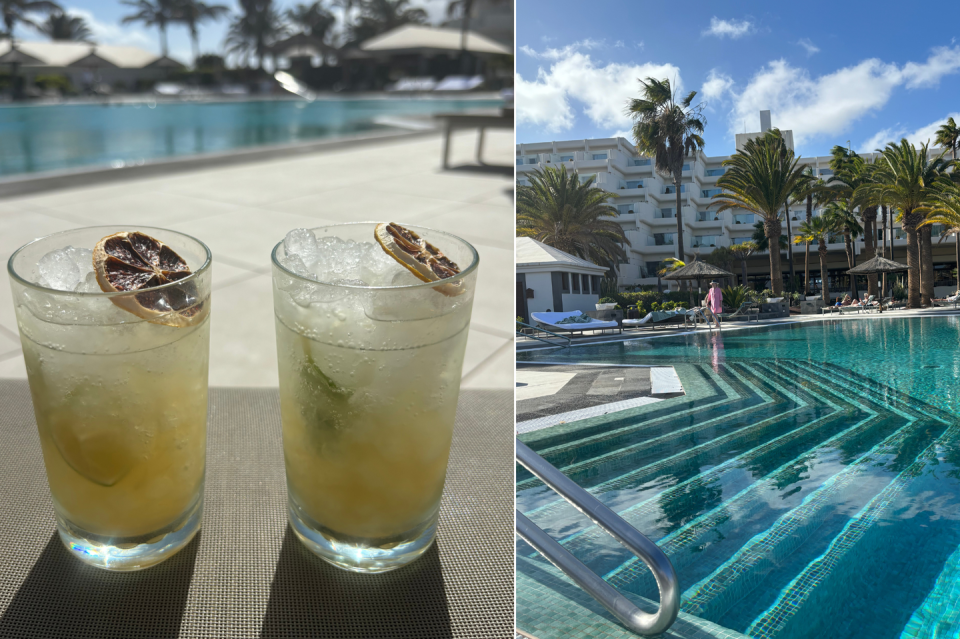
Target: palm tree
{"type": "Point", "coordinates": [152, 13]}
{"type": "Point", "coordinates": [943, 207]}
{"type": "Point", "coordinates": [63, 27]}
{"type": "Point", "coordinates": [759, 237]}
{"type": "Point", "coordinates": [840, 216]}
{"type": "Point", "coordinates": [667, 131]}
{"type": "Point", "coordinates": [850, 170]}
{"type": "Point", "coordinates": [903, 178]}
{"type": "Point", "coordinates": [948, 136]}
{"type": "Point", "coordinates": [669, 265]}
{"type": "Point", "coordinates": [253, 31]}
{"type": "Point", "coordinates": [742, 252]}
{"type": "Point", "coordinates": [380, 16]}
{"type": "Point", "coordinates": [817, 230]}
{"type": "Point", "coordinates": [558, 210]}
{"type": "Point", "coordinates": [18, 11]}
{"type": "Point", "coordinates": [195, 12]}
{"type": "Point", "coordinates": [760, 179]}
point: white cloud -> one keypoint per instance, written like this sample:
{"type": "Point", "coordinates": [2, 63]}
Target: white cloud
{"type": "Point", "coordinates": [114, 33]}
{"type": "Point", "coordinates": [529, 51]}
{"type": "Point", "coordinates": [807, 44]}
{"type": "Point", "coordinates": [828, 104]}
{"type": "Point", "coordinates": [728, 28]}
{"type": "Point", "coordinates": [573, 76]}
{"type": "Point", "coordinates": [943, 61]}
{"type": "Point", "coordinates": [716, 86]}
{"type": "Point", "coordinates": [895, 133]}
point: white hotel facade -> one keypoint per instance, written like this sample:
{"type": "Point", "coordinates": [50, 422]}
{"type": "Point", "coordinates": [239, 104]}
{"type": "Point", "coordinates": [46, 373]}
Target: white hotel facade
{"type": "Point", "coordinates": [647, 212]}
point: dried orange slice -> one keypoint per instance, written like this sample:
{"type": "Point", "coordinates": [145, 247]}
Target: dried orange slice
{"type": "Point", "coordinates": [419, 256]}
{"type": "Point", "coordinates": [134, 261]}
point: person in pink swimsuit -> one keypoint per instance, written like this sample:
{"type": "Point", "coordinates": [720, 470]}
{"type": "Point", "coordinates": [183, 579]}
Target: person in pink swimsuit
{"type": "Point", "coordinates": [714, 301]}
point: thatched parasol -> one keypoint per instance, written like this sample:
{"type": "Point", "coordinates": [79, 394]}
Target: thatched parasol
{"type": "Point", "coordinates": [878, 265]}
{"type": "Point", "coordinates": [697, 270]}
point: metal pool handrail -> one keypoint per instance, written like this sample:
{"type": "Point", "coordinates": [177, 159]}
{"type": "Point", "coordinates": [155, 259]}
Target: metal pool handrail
{"type": "Point", "coordinates": [659, 564]}
{"type": "Point", "coordinates": [540, 339]}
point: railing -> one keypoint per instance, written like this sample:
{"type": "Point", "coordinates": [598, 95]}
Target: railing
{"type": "Point", "coordinates": [541, 339]}
{"type": "Point", "coordinates": [622, 608]}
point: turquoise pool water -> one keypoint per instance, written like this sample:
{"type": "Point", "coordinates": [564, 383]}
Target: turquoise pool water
{"type": "Point", "coordinates": [46, 138]}
{"type": "Point", "coordinates": [807, 485]}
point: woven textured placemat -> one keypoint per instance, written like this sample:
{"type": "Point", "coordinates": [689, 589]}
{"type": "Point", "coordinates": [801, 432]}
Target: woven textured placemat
{"type": "Point", "coordinates": [246, 574]}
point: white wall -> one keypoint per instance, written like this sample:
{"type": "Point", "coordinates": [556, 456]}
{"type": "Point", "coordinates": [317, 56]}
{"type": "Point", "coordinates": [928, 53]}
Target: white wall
{"type": "Point", "coordinates": [542, 292]}
{"type": "Point", "coordinates": [579, 301]}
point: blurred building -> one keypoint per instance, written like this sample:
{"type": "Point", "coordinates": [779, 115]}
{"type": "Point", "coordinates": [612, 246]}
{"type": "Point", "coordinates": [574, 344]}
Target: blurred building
{"type": "Point", "coordinates": [86, 64]}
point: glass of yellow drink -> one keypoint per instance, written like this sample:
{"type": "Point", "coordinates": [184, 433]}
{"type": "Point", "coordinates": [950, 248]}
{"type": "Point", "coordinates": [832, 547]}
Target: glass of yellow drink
{"type": "Point", "coordinates": [370, 359]}
{"type": "Point", "coordinates": [120, 400]}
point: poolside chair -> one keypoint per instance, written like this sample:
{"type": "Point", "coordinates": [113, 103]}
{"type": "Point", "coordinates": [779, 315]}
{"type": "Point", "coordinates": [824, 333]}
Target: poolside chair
{"type": "Point", "coordinates": [657, 318]}
{"type": "Point", "coordinates": [857, 308]}
{"type": "Point", "coordinates": [953, 301]}
{"type": "Point", "coordinates": [745, 312]}
{"type": "Point", "coordinates": [551, 321]}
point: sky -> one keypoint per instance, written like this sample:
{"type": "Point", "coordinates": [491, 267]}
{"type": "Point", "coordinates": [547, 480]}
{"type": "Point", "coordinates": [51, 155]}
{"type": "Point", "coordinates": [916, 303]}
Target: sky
{"type": "Point", "coordinates": [104, 16]}
{"type": "Point", "coordinates": [833, 72]}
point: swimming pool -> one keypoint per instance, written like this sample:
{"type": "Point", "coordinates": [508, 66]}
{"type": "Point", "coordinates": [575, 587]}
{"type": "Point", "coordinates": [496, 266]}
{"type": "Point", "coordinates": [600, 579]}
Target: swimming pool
{"type": "Point", "coordinates": [50, 137]}
{"type": "Point", "coordinates": [806, 485]}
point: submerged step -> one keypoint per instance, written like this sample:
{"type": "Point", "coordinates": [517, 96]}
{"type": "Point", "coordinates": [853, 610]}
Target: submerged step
{"type": "Point", "coordinates": [798, 594]}
{"type": "Point", "coordinates": [939, 614]}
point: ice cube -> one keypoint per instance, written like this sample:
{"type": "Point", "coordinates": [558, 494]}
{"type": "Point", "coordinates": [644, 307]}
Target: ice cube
{"type": "Point", "coordinates": [89, 284]}
{"type": "Point", "coordinates": [302, 243]}
{"type": "Point", "coordinates": [59, 270]}
{"type": "Point", "coordinates": [83, 258]}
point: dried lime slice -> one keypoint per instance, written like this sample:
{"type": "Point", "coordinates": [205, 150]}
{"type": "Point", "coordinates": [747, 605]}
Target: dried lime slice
{"type": "Point", "coordinates": [134, 261]}
{"type": "Point", "coordinates": [419, 256]}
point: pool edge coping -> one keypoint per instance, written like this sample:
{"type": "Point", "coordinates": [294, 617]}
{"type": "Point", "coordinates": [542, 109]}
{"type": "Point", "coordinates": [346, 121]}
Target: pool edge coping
{"type": "Point", "coordinates": [32, 183]}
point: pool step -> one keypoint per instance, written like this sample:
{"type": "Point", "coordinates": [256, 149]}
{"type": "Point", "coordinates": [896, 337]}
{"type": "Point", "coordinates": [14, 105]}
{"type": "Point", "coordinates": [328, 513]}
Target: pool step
{"type": "Point", "coordinates": [558, 516]}
{"type": "Point", "coordinates": [939, 614]}
{"type": "Point", "coordinates": [587, 466]}
{"type": "Point", "coordinates": [748, 567]}
{"type": "Point", "coordinates": [801, 591]}
{"type": "Point", "coordinates": [687, 543]}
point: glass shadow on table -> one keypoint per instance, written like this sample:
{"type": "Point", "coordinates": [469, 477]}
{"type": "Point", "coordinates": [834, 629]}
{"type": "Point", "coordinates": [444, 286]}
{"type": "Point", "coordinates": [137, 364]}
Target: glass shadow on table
{"type": "Point", "coordinates": [311, 598]}
{"type": "Point", "coordinates": [64, 598]}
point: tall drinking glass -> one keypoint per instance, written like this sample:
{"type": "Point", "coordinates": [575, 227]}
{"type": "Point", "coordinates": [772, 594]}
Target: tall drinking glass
{"type": "Point", "coordinates": [369, 380]}
{"type": "Point", "coordinates": [120, 403]}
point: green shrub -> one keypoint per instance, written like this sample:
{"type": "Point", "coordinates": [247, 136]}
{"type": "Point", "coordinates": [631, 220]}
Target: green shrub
{"type": "Point", "coordinates": [735, 296]}
{"type": "Point", "coordinates": [899, 293]}
{"type": "Point", "coordinates": [607, 300]}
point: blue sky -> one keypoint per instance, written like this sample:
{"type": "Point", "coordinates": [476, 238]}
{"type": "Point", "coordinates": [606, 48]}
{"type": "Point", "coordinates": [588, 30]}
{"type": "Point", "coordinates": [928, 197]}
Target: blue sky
{"type": "Point", "coordinates": [104, 18]}
{"type": "Point", "coordinates": [867, 72]}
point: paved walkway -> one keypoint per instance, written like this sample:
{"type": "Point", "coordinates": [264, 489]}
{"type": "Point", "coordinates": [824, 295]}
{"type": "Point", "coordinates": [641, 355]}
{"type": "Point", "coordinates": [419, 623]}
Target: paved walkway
{"type": "Point", "coordinates": [241, 212]}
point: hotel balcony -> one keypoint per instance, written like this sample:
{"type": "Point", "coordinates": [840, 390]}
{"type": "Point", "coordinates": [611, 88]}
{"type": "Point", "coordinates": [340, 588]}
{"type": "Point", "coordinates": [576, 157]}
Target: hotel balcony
{"type": "Point", "coordinates": [706, 220]}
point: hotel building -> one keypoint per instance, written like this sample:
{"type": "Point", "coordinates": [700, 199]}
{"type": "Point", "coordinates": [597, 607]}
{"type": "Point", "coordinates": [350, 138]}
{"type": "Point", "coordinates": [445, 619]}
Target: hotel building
{"type": "Point", "coordinates": [646, 202]}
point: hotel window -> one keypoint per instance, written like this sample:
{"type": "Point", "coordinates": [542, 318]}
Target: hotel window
{"type": "Point", "coordinates": [565, 282]}
{"type": "Point", "coordinates": [586, 283]}
{"type": "Point", "coordinates": [686, 167]}
{"type": "Point", "coordinates": [715, 172]}
{"type": "Point", "coordinates": [595, 280]}
{"type": "Point", "coordinates": [652, 268]}
{"type": "Point", "coordinates": [576, 282]}
{"type": "Point", "coordinates": [634, 184]}
{"type": "Point", "coordinates": [665, 213]}
{"type": "Point", "coordinates": [710, 192]}
{"type": "Point", "coordinates": [639, 162]}
{"type": "Point", "coordinates": [625, 209]}
{"type": "Point", "coordinates": [708, 216]}
{"type": "Point", "coordinates": [661, 239]}
{"type": "Point", "coordinates": [599, 156]}
{"type": "Point", "coordinates": [565, 158]}
{"type": "Point", "coordinates": [673, 189]}
{"type": "Point", "coordinates": [743, 218]}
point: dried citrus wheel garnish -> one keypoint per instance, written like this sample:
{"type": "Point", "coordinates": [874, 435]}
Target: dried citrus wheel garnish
{"type": "Point", "coordinates": [134, 261]}
{"type": "Point", "coordinates": [422, 258]}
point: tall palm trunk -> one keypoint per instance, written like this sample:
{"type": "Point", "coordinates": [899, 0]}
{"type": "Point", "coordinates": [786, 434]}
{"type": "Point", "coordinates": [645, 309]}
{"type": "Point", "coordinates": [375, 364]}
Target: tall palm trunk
{"type": "Point", "coordinates": [925, 242]}
{"type": "Point", "coordinates": [851, 259]}
{"type": "Point", "coordinates": [883, 223]}
{"type": "Point", "coordinates": [870, 245]}
{"type": "Point", "coordinates": [195, 42]}
{"type": "Point", "coordinates": [913, 259]}
{"type": "Point", "coordinates": [773, 230]}
{"type": "Point", "coordinates": [163, 38]}
{"type": "Point", "coordinates": [793, 274]}
{"type": "Point", "coordinates": [676, 182]}
{"type": "Point", "coordinates": [822, 249]}
{"type": "Point", "coordinates": [806, 248]}
{"type": "Point", "coordinates": [743, 272]}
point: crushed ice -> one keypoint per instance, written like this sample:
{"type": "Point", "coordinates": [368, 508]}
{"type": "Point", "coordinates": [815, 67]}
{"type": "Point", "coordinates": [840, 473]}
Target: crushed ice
{"type": "Point", "coordinates": [331, 260]}
{"type": "Point", "coordinates": [68, 269]}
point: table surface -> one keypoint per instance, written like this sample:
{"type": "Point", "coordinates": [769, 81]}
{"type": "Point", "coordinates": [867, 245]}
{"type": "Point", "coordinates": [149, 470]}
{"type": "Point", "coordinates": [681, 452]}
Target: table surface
{"type": "Point", "coordinates": [246, 574]}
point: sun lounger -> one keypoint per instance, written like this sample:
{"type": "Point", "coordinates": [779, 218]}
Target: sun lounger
{"type": "Point", "coordinates": [953, 301]}
{"type": "Point", "coordinates": [657, 318]}
{"type": "Point", "coordinates": [481, 122]}
{"type": "Point", "coordinates": [550, 320]}
{"type": "Point", "coordinates": [746, 311]}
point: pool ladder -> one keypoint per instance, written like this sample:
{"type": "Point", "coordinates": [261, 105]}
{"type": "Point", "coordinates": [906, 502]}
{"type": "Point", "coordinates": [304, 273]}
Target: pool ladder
{"type": "Point", "coordinates": [638, 621]}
